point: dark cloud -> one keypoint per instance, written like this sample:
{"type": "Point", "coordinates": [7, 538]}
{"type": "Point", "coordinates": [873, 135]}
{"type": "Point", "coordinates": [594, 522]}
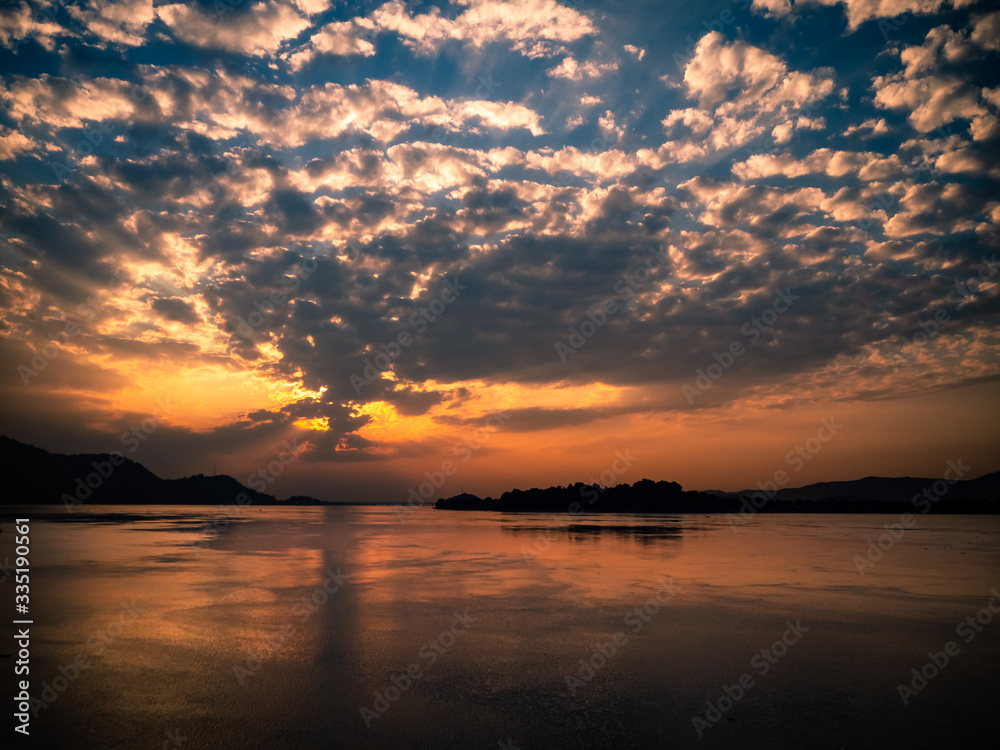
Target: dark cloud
{"type": "Point", "coordinates": [177, 310]}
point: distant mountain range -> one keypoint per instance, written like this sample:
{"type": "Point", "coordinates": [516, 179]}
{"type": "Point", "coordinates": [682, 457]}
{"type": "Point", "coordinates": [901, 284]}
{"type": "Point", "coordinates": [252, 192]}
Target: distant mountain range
{"type": "Point", "coordinates": [112, 479]}
{"type": "Point", "coordinates": [868, 495]}
{"type": "Point", "coordinates": [888, 489]}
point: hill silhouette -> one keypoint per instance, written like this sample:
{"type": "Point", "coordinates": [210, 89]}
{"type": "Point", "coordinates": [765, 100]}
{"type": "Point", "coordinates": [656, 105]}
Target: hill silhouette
{"type": "Point", "coordinates": [111, 479]}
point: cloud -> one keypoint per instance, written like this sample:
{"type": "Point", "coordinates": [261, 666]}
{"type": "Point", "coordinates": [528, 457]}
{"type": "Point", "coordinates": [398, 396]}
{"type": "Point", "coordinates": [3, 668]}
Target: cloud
{"type": "Point", "coordinates": [60, 103]}
{"type": "Point", "coordinates": [609, 128]}
{"type": "Point", "coordinates": [312, 7]}
{"type": "Point", "coordinates": [221, 106]}
{"type": "Point", "coordinates": [986, 31]}
{"type": "Point", "coordinates": [384, 110]}
{"type": "Point", "coordinates": [116, 21]}
{"type": "Point", "coordinates": [637, 52]}
{"type": "Point", "coordinates": [962, 160]}
{"type": "Point", "coordinates": [838, 164]}
{"type": "Point", "coordinates": [533, 419]}
{"type": "Point", "coordinates": [783, 133]}
{"type": "Point", "coordinates": [533, 27]}
{"type": "Point", "coordinates": [176, 309]}
{"type": "Point", "coordinates": [860, 11]}
{"type": "Point", "coordinates": [933, 101]}
{"type": "Point", "coordinates": [341, 38]}
{"type": "Point", "coordinates": [572, 70]}
{"type": "Point", "coordinates": [931, 93]}
{"type": "Point", "coordinates": [610, 164]}
{"type": "Point", "coordinates": [742, 92]}
{"type": "Point", "coordinates": [18, 23]}
{"type": "Point", "coordinates": [765, 211]}
{"type": "Point", "coordinates": [761, 80]}
{"type": "Point", "coordinates": [12, 142]}
{"type": "Point", "coordinates": [871, 126]}
{"type": "Point", "coordinates": [258, 30]}
{"type": "Point", "coordinates": [936, 209]}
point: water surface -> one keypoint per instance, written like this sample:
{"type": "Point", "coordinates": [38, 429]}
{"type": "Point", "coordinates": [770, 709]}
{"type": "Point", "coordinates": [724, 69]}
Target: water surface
{"type": "Point", "coordinates": [237, 644]}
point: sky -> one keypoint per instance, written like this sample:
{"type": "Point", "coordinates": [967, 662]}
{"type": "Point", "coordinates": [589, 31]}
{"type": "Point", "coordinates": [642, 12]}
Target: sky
{"type": "Point", "coordinates": [357, 249]}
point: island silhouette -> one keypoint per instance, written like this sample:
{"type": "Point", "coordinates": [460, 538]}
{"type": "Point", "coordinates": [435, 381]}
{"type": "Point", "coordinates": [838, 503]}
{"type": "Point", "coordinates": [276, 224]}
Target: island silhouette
{"type": "Point", "coordinates": [868, 495]}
